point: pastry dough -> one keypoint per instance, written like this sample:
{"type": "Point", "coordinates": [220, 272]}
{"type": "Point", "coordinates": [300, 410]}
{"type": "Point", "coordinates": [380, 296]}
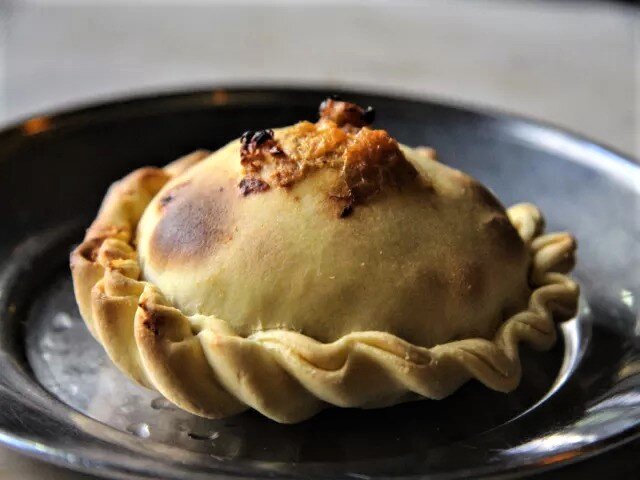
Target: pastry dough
{"type": "Point", "coordinates": [315, 265]}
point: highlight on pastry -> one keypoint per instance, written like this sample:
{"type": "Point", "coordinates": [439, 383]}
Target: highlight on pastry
{"type": "Point", "coordinates": [320, 264]}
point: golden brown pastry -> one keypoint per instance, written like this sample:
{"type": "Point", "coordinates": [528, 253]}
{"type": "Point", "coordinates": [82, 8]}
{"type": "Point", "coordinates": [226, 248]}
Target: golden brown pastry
{"type": "Point", "coordinates": [314, 265]}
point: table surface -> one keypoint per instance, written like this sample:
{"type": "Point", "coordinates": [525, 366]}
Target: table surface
{"type": "Point", "coordinates": [575, 65]}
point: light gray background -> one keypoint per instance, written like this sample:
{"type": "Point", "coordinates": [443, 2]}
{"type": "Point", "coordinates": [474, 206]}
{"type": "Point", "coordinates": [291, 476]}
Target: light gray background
{"type": "Point", "coordinates": [573, 63]}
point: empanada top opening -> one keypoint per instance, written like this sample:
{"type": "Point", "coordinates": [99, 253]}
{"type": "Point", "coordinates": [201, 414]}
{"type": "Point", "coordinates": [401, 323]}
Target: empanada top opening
{"type": "Point", "coordinates": [365, 161]}
{"type": "Point", "coordinates": [331, 228]}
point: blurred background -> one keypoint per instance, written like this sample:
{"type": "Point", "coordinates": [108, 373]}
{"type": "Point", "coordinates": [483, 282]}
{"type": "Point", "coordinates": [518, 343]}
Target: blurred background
{"type": "Point", "coordinates": [573, 63]}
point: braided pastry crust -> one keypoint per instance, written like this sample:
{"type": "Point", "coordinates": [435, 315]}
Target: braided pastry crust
{"type": "Point", "coordinates": [204, 366]}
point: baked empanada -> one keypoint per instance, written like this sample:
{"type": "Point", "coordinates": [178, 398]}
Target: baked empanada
{"type": "Point", "coordinates": [314, 265]}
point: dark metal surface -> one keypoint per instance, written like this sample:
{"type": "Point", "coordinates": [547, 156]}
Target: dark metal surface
{"type": "Point", "coordinates": [61, 400]}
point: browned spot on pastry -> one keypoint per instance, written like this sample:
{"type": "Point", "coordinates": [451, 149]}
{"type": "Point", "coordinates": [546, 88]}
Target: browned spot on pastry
{"type": "Point", "coordinates": [260, 154]}
{"type": "Point", "coordinates": [89, 249]}
{"type": "Point", "coordinates": [249, 185]}
{"type": "Point", "coordinates": [198, 219]}
{"type": "Point", "coordinates": [142, 304]}
{"type": "Point", "coordinates": [265, 163]}
{"type": "Point", "coordinates": [346, 113]}
{"type": "Point", "coordinates": [346, 210]}
{"type": "Point", "coordinates": [367, 161]}
{"type": "Point", "coordinates": [168, 197]}
{"type": "Point", "coordinates": [373, 161]}
{"type": "Point", "coordinates": [250, 142]}
{"type": "Point", "coordinates": [150, 322]}
{"type": "Point", "coordinates": [316, 144]}
{"type": "Point", "coordinates": [276, 150]}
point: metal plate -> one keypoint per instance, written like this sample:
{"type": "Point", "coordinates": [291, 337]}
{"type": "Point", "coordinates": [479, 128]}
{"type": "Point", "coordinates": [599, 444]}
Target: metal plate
{"type": "Point", "coordinates": [63, 401]}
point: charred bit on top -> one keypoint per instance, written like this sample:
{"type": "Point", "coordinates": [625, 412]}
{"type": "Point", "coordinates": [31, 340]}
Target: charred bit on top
{"type": "Point", "coordinates": [346, 114]}
{"type": "Point", "coordinates": [367, 159]}
{"type": "Point", "coordinates": [249, 185]}
{"type": "Point", "coordinates": [252, 146]}
{"type": "Point", "coordinates": [258, 150]}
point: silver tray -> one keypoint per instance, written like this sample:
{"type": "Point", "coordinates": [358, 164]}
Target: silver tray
{"type": "Point", "coordinates": [62, 401]}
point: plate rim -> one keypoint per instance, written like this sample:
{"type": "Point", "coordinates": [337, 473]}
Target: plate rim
{"type": "Point", "coordinates": [74, 109]}
{"type": "Point", "coordinates": [79, 113]}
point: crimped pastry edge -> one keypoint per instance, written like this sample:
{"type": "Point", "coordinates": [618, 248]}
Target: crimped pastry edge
{"type": "Point", "coordinates": [200, 364]}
